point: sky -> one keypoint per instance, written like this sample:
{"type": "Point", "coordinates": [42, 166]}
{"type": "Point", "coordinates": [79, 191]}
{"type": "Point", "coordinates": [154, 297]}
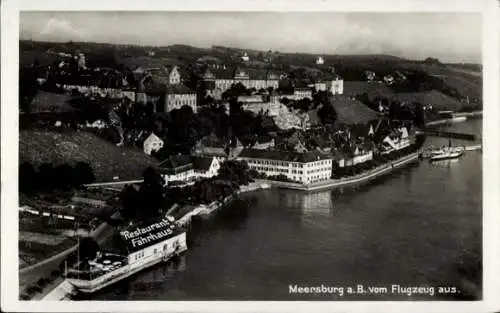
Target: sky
{"type": "Point", "coordinates": [450, 37]}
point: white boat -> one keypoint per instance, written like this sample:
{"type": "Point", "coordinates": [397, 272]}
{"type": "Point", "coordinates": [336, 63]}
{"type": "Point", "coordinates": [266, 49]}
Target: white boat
{"type": "Point", "coordinates": [144, 245]}
{"type": "Point", "coordinates": [447, 153]}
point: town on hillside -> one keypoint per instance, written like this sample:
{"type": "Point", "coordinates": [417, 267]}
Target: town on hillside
{"type": "Point", "coordinates": [112, 136]}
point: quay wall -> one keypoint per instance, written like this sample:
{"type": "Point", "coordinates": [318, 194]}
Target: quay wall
{"type": "Point", "coordinates": [343, 182]}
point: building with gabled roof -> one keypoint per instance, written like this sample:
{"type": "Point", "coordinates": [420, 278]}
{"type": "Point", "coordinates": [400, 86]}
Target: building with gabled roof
{"type": "Point", "coordinates": [187, 168]}
{"type": "Point", "coordinates": [164, 95]}
{"type": "Point", "coordinates": [152, 144]}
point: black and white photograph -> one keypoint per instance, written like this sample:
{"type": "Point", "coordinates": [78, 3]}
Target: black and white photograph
{"type": "Point", "coordinates": [264, 155]}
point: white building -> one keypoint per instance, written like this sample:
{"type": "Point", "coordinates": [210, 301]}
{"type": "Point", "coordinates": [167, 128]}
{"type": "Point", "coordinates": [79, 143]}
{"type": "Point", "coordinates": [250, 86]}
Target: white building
{"type": "Point", "coordinates": [206, 167]}
{"type": "Point", "coordinates": [337, 86]}
{"type": "Point", "coordinates": [140, 246]}
{"type": "Point", "coordinates": [301, 93]}
{"type": "Point", "coordinates": [346, 157]}
{"type": "Point", "coordinates": [264, 145]}
{"type": "Point", "coordinates": [306, 168]}
{"type": "Point", "coordinates": [245, 57]}
{"type": "Point", "coordinates": [370, 76]}
{"type": "Point", "coordinates": [318, 86]}
{"type": "Point", "coordinates": [362, 155]}
{"type": "Point", "coordinates": [320, 61]}
{"type": "Point", "coordinates": [186, 168]}
{"type": "Point", "coordinates": [152, 143]}
{"type": "Point", "coordinates": [396, 141]}
{"type": "Point", "coordinates": [388, 79]}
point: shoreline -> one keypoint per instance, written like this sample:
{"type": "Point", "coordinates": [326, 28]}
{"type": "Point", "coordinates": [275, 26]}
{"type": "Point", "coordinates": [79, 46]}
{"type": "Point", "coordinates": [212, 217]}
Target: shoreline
{"type": "Point", "coordinates": [356, 179]}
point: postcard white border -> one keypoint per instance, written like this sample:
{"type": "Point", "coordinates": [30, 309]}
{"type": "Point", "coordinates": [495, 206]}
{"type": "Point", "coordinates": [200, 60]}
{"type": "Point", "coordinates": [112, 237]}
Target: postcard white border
{"type": "Point", "coordinates": [9, 164]}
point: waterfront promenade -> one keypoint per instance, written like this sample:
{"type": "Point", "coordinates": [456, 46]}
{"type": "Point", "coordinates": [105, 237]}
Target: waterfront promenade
{"type": "Point", "coordinates": [344, 182]}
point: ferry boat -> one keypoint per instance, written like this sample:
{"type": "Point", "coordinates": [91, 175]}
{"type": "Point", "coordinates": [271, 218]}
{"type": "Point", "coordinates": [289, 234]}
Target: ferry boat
{"type": "Point", "coordinates": [144, 245]}
{"type": "Point", "coordinates": [446, 153]}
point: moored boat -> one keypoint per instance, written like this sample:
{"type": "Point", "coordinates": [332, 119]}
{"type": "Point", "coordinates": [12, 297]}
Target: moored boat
{"type": "Point", "coordinates": [446, 153]}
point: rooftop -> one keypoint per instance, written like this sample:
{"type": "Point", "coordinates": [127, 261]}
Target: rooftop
{"type": "Point", "coordinates": [306, 157]}
{"type": "Point", "coordinates": [176, 161]}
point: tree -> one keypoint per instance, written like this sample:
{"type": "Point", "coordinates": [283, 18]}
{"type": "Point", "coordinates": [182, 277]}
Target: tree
{"type": "Point", "coordinates": [234, 91]}
{"type": "Point", "coordinates": [83, 174]}
{"type": "Point", "coordinates": [151, 193]}
{"type": "Point", "coordinates": [129, 200]}
{"type": "Point", "coordinates": [63, 176]}
{"type": "Point", "coordinates": [45, 179]}
{"type": "Point", "coordinates": [285, 101]}
{"type": "Point", "coordinates": [303, 104]}
{"type": "Point", "coordinates": [205, 191]}
{"type": "Point", "coordinates": [419, 115]}
{"type": "Point", "coordinates": [327, 114]}
{"type": "Point", "coordinates": [27, 178]}
{"type": "Point", "coordinates": [235, 171]}
{"type": "Point", "coordinates": [88, 248]}
{"type": "Point", "coordinates": [28, 88]}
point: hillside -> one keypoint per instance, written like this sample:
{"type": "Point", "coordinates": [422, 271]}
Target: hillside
{"type": "Point", "coordinates": [457, 80]}
{"type": "Point", "coordinates": [352, 111]}
{"type": "Point", "coordinates": [106, 159]}
{"type": "Point", "coordinates": [438, 100]}
{"type": "Point", "coordinates": [372, 89]}
{"type": "Point", "coordinates": [467, 82]}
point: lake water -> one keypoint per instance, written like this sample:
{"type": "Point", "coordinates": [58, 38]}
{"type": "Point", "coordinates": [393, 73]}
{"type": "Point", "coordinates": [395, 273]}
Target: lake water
{"type": "Point", "coordinates": [421, 226]}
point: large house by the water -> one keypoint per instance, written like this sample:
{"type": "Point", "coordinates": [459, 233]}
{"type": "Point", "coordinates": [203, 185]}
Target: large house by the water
{"type": "Point", "coordinates": [308, 167]}
{"type": "Point", "coordinates": [187, 168]}
{"type": "Point", "coordinates": [141, 246]}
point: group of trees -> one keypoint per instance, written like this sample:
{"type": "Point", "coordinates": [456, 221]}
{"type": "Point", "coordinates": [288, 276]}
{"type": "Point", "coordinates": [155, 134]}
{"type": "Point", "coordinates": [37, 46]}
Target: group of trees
{"type": "Point", "coordinates": [327, 114]}
{"type": "Point", "coordinates": [232, 175]}
{"type": "Point", "coordinates": [152, 197]}
{"type": "Point", "coordinates": [182, 128]}
{"type": "Point", "coordinates": [396, 110]}
{"type": "Point", "coordinates": [146, 202]}
{"type": "Point", "coordinates": [247, 126]}
{"type": "Point", "coordinates": [28, 87]}
{"type": "Point", "coordinates": [48, 177]}
{"type": "Point", "coordinates": [304, 104]}
{"type": "Point", "coordinates": [239, 89]}
{"type": "Point", "coordinates": [326, 111]}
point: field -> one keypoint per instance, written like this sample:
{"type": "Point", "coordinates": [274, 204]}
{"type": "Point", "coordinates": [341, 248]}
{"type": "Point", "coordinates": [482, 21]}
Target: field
{"type": "Point", "coordinates": [372, 89]}
{"type": "Point", "coordinates": [51, 102]}
{"type": "Point", "coordinates": [106, 159]}
{"type": "Point", "coordinates": [352, 111]}
{"type": "Point", "coordinates": [49, 240]}
{"type": "Point", "coordinates": [467, 82]}
{"type": "Point", "coordinates": [438, 100]}
{"type": "Point", "coordinates": [31, 252]}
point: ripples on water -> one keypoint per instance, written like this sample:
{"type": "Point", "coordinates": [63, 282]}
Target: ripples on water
{"type": "Point", "coordinates": [419, 226]}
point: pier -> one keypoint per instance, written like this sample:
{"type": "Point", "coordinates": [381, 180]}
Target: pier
{"type": "Point", "coordinates": [427, 152]}
{"type": "Point", "coordinates": [454, 135]}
